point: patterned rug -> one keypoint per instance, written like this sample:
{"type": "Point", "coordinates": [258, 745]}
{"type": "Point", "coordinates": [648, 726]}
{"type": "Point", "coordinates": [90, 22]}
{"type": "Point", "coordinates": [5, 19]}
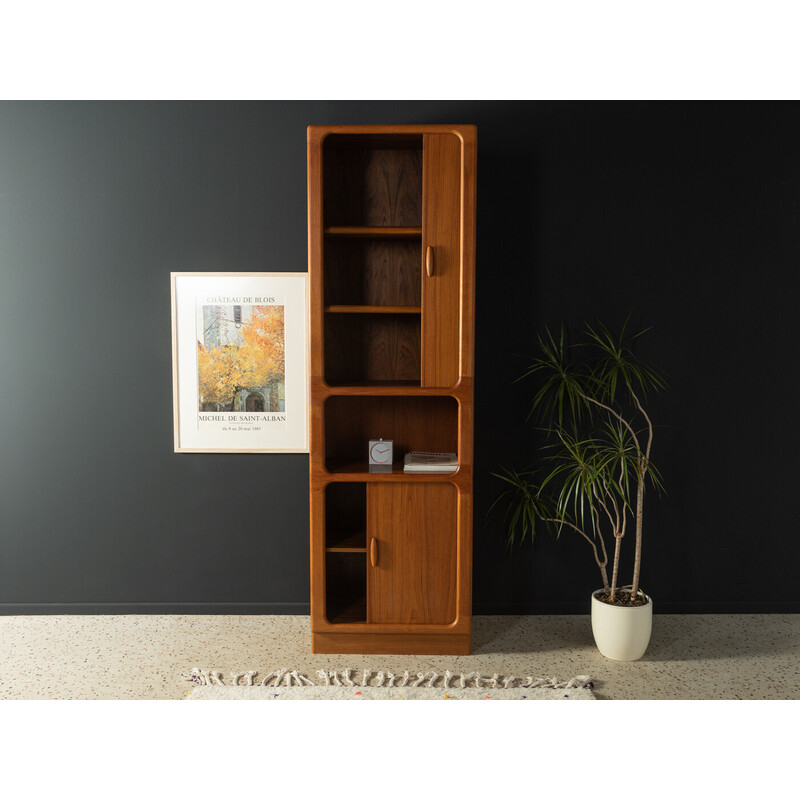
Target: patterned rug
{"type": "Point", "coordinates": [351, 684]}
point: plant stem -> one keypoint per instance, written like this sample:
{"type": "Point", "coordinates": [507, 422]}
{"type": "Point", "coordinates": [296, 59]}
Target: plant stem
{"type": "Point", "coordinates": [615, 527]}
{"type": "Point", "coordinates": [600, 563]}
{"type": "Point", "coordinates": [615, 572]}
{"type": "Point", "coordinates": [643, 461]}
{"type": "Point", "coordinates": [617, 415]}
{"type": "Point", "coordinates": [643, 466]}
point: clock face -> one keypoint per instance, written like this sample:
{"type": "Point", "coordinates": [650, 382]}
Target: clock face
{"type": "Point", "coordinates": [381, 453]}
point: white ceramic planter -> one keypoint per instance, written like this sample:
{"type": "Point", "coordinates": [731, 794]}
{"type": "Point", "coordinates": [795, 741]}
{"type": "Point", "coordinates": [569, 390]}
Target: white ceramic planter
{"type": "Point", "coordinates": [620, 633]}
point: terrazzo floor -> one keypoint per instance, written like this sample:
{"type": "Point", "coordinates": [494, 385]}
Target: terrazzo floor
{"type": "Point", "coordinates": [720, 657]}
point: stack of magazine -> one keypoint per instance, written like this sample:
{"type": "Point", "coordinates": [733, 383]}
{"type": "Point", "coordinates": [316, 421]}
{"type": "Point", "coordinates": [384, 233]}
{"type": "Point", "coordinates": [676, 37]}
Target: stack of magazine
{"type": "Point", "coordinates": [416, 461]}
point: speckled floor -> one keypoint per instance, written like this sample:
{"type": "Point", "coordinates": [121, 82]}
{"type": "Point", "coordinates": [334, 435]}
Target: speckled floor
{"type": "Point", "coordinates": [719, 657]}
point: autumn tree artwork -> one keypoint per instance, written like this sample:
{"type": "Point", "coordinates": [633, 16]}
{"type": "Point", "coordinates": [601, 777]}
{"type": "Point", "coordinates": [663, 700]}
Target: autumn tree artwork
{"type": "Point", "coordinates": [241, 358]}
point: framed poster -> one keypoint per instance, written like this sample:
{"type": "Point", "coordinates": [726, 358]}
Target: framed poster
{"type": "Point", "coordinates": [239, 362]}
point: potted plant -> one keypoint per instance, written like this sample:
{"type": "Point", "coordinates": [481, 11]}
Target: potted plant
{"type": "Point", "coordinates": [594, 469]}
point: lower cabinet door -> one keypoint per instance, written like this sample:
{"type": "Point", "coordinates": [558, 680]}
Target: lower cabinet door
{"type": "Point", "coordinates": [411, 552]}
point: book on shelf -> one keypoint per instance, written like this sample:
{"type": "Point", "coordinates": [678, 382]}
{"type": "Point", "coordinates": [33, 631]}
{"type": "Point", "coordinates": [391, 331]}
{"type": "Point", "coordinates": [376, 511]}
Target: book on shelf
{"type": "Point", "coordinates": [417, 461]}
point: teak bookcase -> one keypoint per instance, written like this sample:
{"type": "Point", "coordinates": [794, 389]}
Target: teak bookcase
{"type": "Point", "coordinates": [391, 241]}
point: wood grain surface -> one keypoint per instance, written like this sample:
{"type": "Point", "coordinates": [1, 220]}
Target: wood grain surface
{"type": "Point", "coordinates": [441, 242]}
{"type": "Point", "coordinates": [373, 272]}
{"type": "Point", "coordinates": [414, 577]}
{"type": "Point", "coordinates": [391, 355]}
{"type": "Point", "coordinates": [413, 423]}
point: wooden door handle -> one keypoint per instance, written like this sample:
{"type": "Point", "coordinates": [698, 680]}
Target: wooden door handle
{"type": "Point", "coordinates": [373, 552]}
{"type": "Point", "coordinates": [429, 261]}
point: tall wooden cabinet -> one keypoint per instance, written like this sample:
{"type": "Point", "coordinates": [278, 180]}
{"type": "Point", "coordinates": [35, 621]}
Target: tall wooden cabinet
{"type": "Point", "coordinates": [391, 240]}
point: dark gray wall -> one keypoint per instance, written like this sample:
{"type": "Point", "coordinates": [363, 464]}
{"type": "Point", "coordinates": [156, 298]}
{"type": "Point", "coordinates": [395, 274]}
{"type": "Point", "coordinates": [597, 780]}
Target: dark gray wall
{"type": "Point", "coordinates": [686, 212]}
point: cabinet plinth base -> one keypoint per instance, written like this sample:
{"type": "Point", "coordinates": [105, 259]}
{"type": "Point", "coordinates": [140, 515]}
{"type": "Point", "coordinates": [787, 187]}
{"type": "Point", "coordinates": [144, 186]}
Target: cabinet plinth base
{"type": "Point", "coordinates": [431, 644]}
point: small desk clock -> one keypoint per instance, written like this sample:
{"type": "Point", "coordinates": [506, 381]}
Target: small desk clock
{"type": "Point", "coordinates": [381, 455]}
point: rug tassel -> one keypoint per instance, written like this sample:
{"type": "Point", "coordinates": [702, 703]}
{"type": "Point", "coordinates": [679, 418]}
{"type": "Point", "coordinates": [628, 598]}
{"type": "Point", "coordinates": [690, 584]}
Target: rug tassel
{"type": "Point", "coordinates": [345, 677]}
{"type": "Point", "coordinates": [248, 676]}
{"type": "Point", "coordinates": [199, 676]}
{"type": "Point", "coordinates": [578, 682]}
{"type": "Point", "coordinates": [470, 676]}
{"type": "Point", "coordinates": [265, 680]}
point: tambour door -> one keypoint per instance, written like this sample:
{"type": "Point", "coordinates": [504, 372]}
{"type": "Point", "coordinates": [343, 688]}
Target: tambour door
{"type": "Point", "coordinates": [441, 258]}
{"type": "Point", "coordinates": [411, 553]}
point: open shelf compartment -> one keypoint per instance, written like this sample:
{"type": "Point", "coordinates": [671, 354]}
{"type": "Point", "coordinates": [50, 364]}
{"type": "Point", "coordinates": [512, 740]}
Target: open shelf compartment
{"type": "Point", "coordinates": [346, 518]}
{"type": "Point", "coordinates": [364, 349]}
{"type": "Point", "coordinates": [428, 423]}
{"type": "Point", "coordinates": [346, 552]}
{"type": "Point", "coordinates": [372, 180]}
{"type": "Point", "coordinates": [346, 587]}
{"type": "Point", "coordinates": [373, 272]}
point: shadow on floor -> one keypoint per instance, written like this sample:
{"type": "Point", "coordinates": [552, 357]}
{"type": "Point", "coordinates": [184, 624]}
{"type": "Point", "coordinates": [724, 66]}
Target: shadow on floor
{"type": "Point", "coordinates": [522, 634]}
{"type": "Point", "coordinates": [695, 637]}
{"type": "Point", "coordinates": [676, 637]}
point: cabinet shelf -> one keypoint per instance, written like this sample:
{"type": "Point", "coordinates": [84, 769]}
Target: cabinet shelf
{"type": "Point", "coordinates": [372, 185]}
{"type": "Point", "coordinates": [346, 541]}
{"type": "Point", "coordinates": [354, 469]}
{"type": "Point", "coordinates": [428, 423]}
{"type": "Point", "coordinates": [362, 271]}
{"type": "Point", "coordinates": [346, 591]}
{"type": "Point", "coordinates": [346, 518]}
{"type": "Point", "coordinates": [340, 613]}
{"type": "Point", "coordinates": [373, 309]}
{"type": "Point", "coordinates": [373, 231]}
{"type": "Point", "coordinates": [372, 347]}
{"type": "Point", "coordinates": [393, 387]}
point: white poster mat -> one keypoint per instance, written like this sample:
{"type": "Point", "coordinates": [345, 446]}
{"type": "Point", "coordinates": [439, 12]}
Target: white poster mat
{"type": "Point", "coordinates": [240, 406]}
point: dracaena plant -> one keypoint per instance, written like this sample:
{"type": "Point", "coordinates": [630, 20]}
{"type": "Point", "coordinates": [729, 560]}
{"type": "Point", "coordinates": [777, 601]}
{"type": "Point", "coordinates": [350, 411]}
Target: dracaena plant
{"type": "Point", "coordinates": [595, 463]}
